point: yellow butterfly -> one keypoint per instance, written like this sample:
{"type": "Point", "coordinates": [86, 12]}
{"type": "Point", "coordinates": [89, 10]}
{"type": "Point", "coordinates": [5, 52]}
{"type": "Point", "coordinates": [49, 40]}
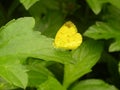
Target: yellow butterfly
{"type": "Point", "coordinates": [67, 37]}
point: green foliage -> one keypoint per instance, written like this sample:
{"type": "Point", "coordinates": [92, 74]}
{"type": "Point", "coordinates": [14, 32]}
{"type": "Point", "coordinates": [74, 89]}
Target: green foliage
{"type": "Point", "coordinates": [107, 30]}
{"type": "Point", "coordinates": [29, 61]}
{"type": "Point", "coordinates": [96, 5]}
{"type": "Point", "coordinates": [51, 84]}
{"type": "Point", "coordinates": [21, 42]}
{"type": "Point", "coordinates": [49, 21]}
{"type": "Point", "coordinates": [13, 71]}
{"type": "Point", "coordinates": [29, 3]}
{"type": "Point", "coordinates": [93, 84]}
{"type": "Point", "coordinates": [21, 45]}
{"type": "Point", "coordinates": [37, 73]}
{"type": "Point", "coordinates": [86, 53]}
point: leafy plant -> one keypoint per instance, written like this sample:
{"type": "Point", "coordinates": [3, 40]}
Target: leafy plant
{"type": "Point", "coordinates": [29, 61]}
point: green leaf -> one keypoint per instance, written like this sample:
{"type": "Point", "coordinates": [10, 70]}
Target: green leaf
{"type": "Point", "coordinates": [51, 84]}
{"type": "Point", "coordinates": [5, 85]}
{"type": "Point", "coordinates": [111, 15]}
{"type": "Point", "coordinates": [36, 78]}
{"type": "Point", "coordinates": [115, 46]}
{"type": "Point", "coordinates": [115, 3]}
{"type": "Point", "coordinates": [12, 71]}
{"type": "Point", "coordinates": [105, 31]}
{"type": "Point", "coordinates": [95, 5]}
{"type": "Point", "coordinates": [28, 3]}
{"type": "Point", "coordinates": [43, 6]}
{"type": "Point", "coordinates": [85, 57]}
{"type": "Point", "coordinates": [100, 31]}
{"type": "Point", "coordinates": [51, 4]}
{"type": "Point", "coordinates": [112, 65]}
{"type": "Point", "coordinates": [37, 73]}
{"type": "Point", "coordinates": [19, 39]}
{"type": "Point", "coordinates": [93, 84]}
{"type": "Point", "coordinates": [51, 23]}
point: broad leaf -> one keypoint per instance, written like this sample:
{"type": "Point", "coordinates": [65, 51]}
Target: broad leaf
{"type": "Point", "coordinates": [37, 73]}
{"type": "Point", "coordinates": [51, 84]}
{"type": "Point", "coordinates": [85, 57]}
{"type": "Point", "coordinates": [93, 84]}
{"type": "Point", "coordinates": [19, 39]}
{"type": "Point", "coordinates": [12, 71]}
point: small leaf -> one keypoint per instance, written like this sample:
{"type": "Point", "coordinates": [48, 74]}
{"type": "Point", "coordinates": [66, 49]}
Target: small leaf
{"type": "Point", "coordinates": [95, 5]}
{"type": "Point", "coordinates": [28, 3]}
{"type": "Point", "coordinates": [115, 46]}
{"type": "Point", "coordinates": [93, 84]}
{"type": "Point", "coordinates": [100, 31]}
{"type": "Point", "coordinates": [12, 71]}
{"type": "Point", "coordinates": [37, 73]}
{"type": "Point", "coordinates": [85, 57]}
{"type": "Point", "coordinates": [51, 84]}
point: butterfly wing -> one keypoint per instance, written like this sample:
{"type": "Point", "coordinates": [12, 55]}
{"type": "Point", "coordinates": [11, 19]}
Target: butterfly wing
{"type": "Point", "coordinates": [67, 37]}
